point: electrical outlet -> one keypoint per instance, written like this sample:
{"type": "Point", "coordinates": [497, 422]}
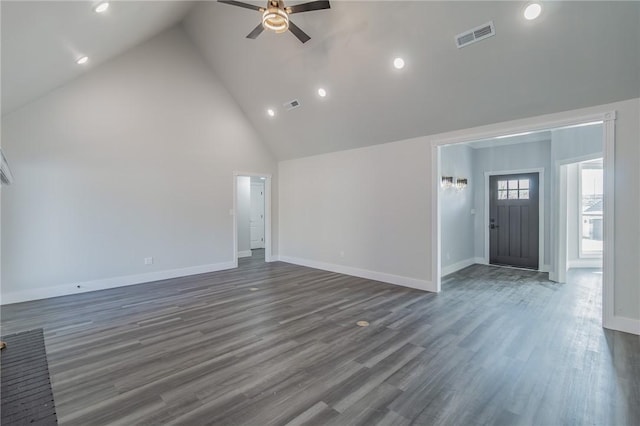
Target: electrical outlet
{"type": "Point", "coordinates": [148, 260]}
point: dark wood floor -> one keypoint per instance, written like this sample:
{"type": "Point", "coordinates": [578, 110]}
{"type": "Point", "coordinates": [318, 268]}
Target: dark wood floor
{"type": "Point", "coordinates": [278, 344]}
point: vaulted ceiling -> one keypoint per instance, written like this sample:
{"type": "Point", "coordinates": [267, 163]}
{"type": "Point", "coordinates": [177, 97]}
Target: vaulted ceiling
{"type": "Point", "coordinates": [42, 39]}
{"type": "Point", "coordinates": [576, 54]}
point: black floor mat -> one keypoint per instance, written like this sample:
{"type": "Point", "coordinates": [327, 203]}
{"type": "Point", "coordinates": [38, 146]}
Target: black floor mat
{"type": "Point", "coordinates": [26, 388]}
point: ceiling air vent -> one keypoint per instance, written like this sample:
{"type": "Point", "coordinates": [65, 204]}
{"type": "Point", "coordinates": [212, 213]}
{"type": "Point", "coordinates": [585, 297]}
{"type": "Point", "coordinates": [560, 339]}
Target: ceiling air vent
{"type": "Point", "coordinates": [475, 34]}
{"type": "Point", "coordinates": [292, 104]}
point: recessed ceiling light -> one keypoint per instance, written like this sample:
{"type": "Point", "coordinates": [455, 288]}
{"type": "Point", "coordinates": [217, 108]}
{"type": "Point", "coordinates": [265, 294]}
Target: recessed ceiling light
{"type": "Point", "coordinates": [532, 11]}
{"type": "Point", "coordinates": [398, 63]}
{"type": "Point", "coordinates": [101, 7]}
{"type": "Point", "coordinates": [262, 177]}
{"type": "Point", "coordinates": [82, 60]}
{"type": "Point", "coordinates": [271, 113]}
{"type": "Point", "coordinates": [322, 92]}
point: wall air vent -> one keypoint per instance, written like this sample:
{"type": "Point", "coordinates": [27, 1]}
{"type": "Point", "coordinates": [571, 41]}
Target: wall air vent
{"type": "Point", "coordinates": [476, 34]}
{"type": "Point", "coordinates": [292, 104]}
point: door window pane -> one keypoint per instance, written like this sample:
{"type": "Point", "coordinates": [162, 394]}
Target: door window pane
{"type": "Point", "coordinates": [502, 195]}
{"type": "Point", "coordinates": [502, 184]}
{"type": "Point", "coordinates": [513, 184]}
{"type": "Point", "coordinates": [513, 195]}
{"type": "Point", "coordinates": [524, 194]}
{"type": "Point", "coordinates": [524, 183]}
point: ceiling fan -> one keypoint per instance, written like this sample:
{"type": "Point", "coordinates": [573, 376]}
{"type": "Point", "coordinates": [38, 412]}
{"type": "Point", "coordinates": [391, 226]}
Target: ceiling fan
{"type": "Point", "coordinates": [275, 16]}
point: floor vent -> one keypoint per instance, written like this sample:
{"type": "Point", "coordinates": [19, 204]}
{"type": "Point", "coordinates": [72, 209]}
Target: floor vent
{"type": "Point", "coordinates": [476, 34]}
{"type": "Point", "coordinates": [292, 104]}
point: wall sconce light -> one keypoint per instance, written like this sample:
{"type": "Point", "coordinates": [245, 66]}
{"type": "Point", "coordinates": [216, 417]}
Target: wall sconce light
{"type": "Point", "coordinates": [453, 182]}
{"type": "Point", "coordinates": [460, 183]}
{"type": "Point", "coordinates": [446, 182]}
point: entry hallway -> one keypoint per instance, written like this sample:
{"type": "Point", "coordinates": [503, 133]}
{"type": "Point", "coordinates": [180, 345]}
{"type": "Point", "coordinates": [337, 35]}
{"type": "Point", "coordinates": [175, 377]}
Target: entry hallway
{"type": "Point", "coordinates": [278, 344]}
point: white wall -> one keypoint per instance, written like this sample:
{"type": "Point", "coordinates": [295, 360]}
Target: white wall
{"type": "Point", "coordinates": [243, 216]}
{"type": "Point", "coordinates": [363, 211]}
{"type": "Point", "coordinates": [375, 204]}
{"type": "Point", "coordinates": [457, 222]}
{"type": "Point", "coordinates": [134, 159]}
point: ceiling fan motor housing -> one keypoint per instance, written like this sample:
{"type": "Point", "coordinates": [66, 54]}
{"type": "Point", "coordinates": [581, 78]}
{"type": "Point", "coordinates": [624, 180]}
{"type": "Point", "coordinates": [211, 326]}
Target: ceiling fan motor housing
{"type": "Point", "coordinates": [275, 19]}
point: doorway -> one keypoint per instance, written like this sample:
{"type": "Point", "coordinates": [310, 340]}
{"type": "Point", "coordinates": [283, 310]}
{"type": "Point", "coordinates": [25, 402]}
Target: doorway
{"type": "Point", "coordinates": [251, 217]}
{"type": "Point", "coordinates": [498, 136]}
{"type": "Point", "coordinates": [256, 214]}
{"type": "Point", "coordinates": [513, 220]}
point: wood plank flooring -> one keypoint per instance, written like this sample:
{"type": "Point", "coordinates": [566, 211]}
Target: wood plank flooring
{"type": "Point", "coordinates": [277, 344]}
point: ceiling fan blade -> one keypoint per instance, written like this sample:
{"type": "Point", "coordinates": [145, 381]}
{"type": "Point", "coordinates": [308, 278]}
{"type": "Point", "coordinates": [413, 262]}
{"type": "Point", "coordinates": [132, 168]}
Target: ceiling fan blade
{"type": "Point", "coordinates": [301, 35]}
{"type": "Point", "coordinates": [308, 7]}
{"type": "Point", "coordinates": [256, 32]}
{"type": "Point", "coordinates": [241, 4]}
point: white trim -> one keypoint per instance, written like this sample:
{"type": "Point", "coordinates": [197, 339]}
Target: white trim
{"type": "Point", "coordinates": [361, 273]}
{"type": "Point", "coordinates": [545, 268]}
{"type": "Point", "coordinates": [608, 247]}
{"type": "Point", "coordinates": [541, 239]}
{"type": "Point", "coordinates": [267, 214]}
{"type": "Point", "coordinates": [244, 253]}
{"type": "Point", "coordinates": [455, 267]}
{"type": "Point", "coordinates": [436, 221]}
{"type": "Point", "coordinates": [102, 284]}
{"type": "Point", "coordinates": [581, 253]}
{"type": "Point", "coordinates": [546, 122]}
{"type": "Point", "coordinates": [560, 222]}
{"type": "Point", "coordinates": [584, 263]}
{"type": "Point", "coordinates": [627, 325]}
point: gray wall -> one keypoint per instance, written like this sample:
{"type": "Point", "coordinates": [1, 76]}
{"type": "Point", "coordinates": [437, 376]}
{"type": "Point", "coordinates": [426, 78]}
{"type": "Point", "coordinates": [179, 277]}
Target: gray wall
{"type": "Point", "coordinates": [575, 143]}
{"type": "Point", "coordinates": [134, 159]}
{"type": "Point", "coordinates": [457, 222]}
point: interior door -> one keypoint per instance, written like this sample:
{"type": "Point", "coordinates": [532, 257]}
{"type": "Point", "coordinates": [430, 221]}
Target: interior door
{"type": "Point", "coordinates": [256, 220]}
{"type": "Point", "coordinates": [513, 220]}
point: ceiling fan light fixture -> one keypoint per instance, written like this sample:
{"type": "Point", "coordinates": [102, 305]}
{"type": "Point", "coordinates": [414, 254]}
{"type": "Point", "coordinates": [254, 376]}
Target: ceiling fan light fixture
{"type": "Point", "coordinates": [275, 19]}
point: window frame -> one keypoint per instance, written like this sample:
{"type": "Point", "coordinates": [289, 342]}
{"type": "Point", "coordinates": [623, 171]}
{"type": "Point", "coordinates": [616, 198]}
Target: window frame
{"type": "Point", "coordinates": [581, 253]}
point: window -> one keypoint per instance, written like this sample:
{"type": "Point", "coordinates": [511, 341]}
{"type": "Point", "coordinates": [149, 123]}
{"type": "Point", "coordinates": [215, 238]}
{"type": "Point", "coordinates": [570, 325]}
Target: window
{"type": "Point", "coordinates": [591, 203]}
{"type": "Point", "coordinates": [513, 189]}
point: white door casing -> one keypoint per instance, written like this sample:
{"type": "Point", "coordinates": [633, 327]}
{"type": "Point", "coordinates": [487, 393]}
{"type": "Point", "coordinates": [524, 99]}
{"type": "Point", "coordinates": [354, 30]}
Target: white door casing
{"type": "Point", "coordinates": [256, 221]}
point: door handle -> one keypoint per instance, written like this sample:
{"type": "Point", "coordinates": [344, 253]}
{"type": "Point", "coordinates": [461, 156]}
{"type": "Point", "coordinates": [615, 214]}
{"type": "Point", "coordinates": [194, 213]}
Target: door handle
{"type": "Point", "coordinates": [493, 226]}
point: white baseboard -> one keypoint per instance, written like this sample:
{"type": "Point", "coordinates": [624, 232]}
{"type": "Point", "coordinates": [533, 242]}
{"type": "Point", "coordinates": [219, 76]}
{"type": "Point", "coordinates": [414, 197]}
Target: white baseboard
{"type": "Point", "coordinates": [626, 325]}
{"type": "Point", "coordinates": [102, 284]}
{"type": "Point", "coordinates": [362, 273]}
{"type": "Point", "coordinates": [245, 253]}
{"type": "Point", "coordinates": [584, 263]}
{"type": "Point", "coordinates": [458, 266]}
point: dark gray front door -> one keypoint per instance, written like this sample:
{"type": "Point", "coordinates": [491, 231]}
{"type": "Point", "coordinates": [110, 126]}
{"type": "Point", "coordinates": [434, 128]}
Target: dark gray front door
{"type": "Point", "coordinates": [513, 220]}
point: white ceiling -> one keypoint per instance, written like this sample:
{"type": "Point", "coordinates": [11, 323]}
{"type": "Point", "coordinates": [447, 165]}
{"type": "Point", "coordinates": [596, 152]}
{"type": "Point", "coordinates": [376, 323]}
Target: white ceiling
{"type": "Point", "coordinates": [42, 39]}
{"type": "Point", "coordinates": [577, 54]}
